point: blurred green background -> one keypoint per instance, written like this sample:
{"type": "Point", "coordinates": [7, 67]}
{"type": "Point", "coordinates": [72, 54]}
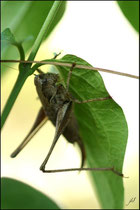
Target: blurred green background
{"type": "Point", "coordinates": [103, 36]}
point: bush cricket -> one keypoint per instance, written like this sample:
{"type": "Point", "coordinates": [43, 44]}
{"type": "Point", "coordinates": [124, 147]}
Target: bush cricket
{"type": "Point", "coordinates": [57, 106]}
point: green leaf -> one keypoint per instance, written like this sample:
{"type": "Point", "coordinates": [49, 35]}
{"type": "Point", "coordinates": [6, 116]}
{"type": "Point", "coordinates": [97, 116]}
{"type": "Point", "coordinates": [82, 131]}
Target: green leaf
{"type": "Point", "coordinates": [18, 195]}
{"type": "Point", "coordinates": [25, 18]}
{"type": "Point", "coordinates": [7, 38]}
{"type": "Point", "coordinates": [130, 10]}
{"type": "Point", "coordinates": [103, 128]}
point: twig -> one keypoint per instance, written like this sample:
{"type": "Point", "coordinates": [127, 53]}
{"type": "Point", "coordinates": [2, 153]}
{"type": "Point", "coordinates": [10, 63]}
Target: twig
{"type": "Point", "coordinates": [77, 66]}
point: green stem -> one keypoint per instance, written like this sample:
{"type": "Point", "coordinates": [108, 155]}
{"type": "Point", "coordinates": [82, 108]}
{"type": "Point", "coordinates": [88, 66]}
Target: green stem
{"type": "Point", "coordinates": [44, 29]}
{"type": "Point", "coordinates": [15, 91]}
{"type": "Point", "coordinates": [21, 51]}
{"type": "Point", "coordinates": [27, 71]}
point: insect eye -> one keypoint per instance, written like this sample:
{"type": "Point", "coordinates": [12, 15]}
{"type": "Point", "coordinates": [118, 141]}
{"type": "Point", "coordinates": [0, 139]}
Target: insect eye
{"type": "Point", "coordinates": [43, 79]}
{"type": "Point", "coordinates": [41, 76]}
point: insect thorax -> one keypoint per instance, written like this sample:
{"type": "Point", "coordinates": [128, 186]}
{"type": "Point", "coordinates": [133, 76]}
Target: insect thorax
{"type": "Point", "coordinates": [51, 94]}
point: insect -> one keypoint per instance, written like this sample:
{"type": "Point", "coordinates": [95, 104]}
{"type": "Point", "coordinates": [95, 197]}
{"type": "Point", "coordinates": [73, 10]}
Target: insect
{"type": "Point", "coordinates": [57, 106]}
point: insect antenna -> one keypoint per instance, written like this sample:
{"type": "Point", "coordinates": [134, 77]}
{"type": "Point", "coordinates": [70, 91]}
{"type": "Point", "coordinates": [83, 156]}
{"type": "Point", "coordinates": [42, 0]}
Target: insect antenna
{"type": "Point", "coordinates": [10, 67]}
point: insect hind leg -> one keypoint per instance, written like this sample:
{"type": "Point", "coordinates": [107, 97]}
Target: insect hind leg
{"type": "Point", "coordinates": [82, 169]}
{"type": "Point", "coordinates": [69, 75]}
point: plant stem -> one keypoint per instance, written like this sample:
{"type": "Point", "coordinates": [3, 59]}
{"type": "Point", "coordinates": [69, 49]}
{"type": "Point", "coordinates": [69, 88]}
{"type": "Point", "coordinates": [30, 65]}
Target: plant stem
{"type": "Point", "coordinates": [44, 29]}
{"type": "Point", "coordinates": [21, 51]}
{"type": "Point", "coordinates": [23, 75]}
{"type": "Point", "coordinates": [15, 91]}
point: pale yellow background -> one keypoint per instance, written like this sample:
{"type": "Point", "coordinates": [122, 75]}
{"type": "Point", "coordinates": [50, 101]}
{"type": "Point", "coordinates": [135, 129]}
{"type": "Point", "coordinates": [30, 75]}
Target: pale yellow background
{"type": "Point", "coordinates": [98, 33]}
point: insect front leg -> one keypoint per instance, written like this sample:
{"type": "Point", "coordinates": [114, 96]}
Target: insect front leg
{"type": "Point", "coordinates": [84, 101]}
{"type": "Point", "coordinates": [55, 56]}
{"type": "Point", "coordinates": [69, 75]}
